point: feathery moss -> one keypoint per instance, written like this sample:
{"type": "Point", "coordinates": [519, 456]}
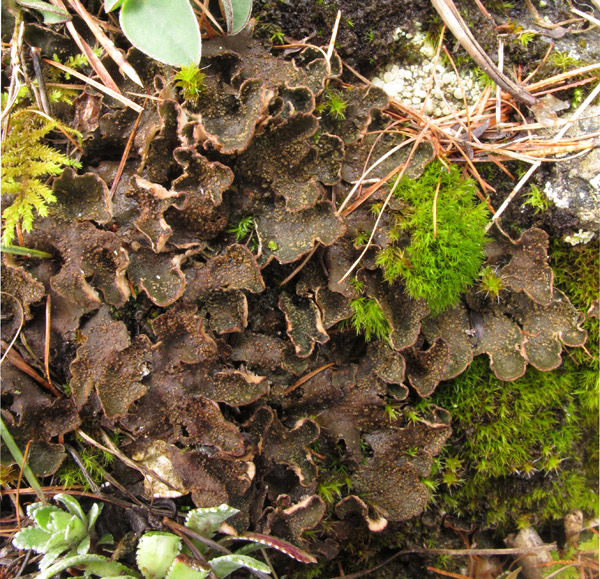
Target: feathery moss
{"type": "Point", "coordinates": [446, 224]}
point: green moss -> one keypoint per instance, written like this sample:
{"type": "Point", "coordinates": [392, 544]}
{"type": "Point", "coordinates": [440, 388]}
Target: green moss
{"type": "Point", "coordinates": [446, 246]}
{"type": "Point", "coordinates": [368, 319]}
{"type": "Point", "coordinates": [576, 273]}
{"type": "Point", "coordinates": [528, 446]}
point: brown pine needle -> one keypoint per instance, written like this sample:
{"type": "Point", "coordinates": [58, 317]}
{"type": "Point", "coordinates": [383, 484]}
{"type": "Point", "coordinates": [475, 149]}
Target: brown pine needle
{"type": "Point", "coordinates": [106, 43]}
{"type": "Point", "coordinates": [85, 48]}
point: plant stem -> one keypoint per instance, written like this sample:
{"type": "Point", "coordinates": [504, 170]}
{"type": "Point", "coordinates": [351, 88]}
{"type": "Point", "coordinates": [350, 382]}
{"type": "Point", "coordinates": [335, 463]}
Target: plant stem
{"type": "Point", "coordinates": [20, 460]}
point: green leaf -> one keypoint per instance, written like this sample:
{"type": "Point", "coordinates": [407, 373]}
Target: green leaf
{"type": "Point", "coordinates": [52, 14]}
{"type": "Point", "coordinates": [183, 570]}
{"type": "Point", "coordinates": [165, 30]}
{"type": "Point", "coordinates": [84, 546]}
{"type": "Point", "coordinates": [32, 538]}
{"type": "Point", "coordinates": [72, 505]}
{"type": "Point", "coordinates": [227, 564]}
{"type": "Point", "coordinates": [156, 552]}
{"type": "Point", "coordinates": [42, 515]}
{"type": "Point", "coordinates": [237, 14]}
{"type": "Point", "coordinates": [90, 564]}
{"type": "Point", "coordinates": [17, 250]}
{"type": "Point", "coordinates": [110, 5]}
{"type": "Point", "coordinates": [206, 521]}
{"type": "Point", "coordinates": [51, 556]}
{"type": "Point", "coordinates": [93, 515]}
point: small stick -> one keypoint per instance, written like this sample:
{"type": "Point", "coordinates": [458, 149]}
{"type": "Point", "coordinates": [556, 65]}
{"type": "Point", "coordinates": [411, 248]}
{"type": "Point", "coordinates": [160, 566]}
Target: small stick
{"type": "Point", "coordinates": [387, 200]}
{"type": "Point", "coordinates": [128, 146]}
{"type": "Point", "coordinates": [437, 190]}
{"type": "Point", "coordinates": [129, 462]}
{"type": "Point", "coordinates": [16, 360]}
{"type": "Point", "coordinates": [37, 68]}
{"type": "Point", "coordinates": [450, 15]}
{"type": "Point", "coordinates": [306, 378]}
{"type": "Point", "coordinates": [299, 268]}
{"type": "Point", "coordinates": [47, 340]}
{"type": "Point", "coordinates": [333, 36]}
{"type": "Point", "coordinates": [116, 95]}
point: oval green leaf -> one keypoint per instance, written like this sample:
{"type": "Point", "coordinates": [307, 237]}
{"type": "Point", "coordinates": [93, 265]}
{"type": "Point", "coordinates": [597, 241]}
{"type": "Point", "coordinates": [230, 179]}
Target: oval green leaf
{"type": "Point", "coordinates": [165, 30]}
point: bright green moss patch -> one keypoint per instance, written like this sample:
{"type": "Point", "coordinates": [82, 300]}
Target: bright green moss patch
{"type": "Point", "coordinates": [522, 447]}
{"type": "Point", "coordinates": [445, 222]}
{"type": "Point", "coordinates": [368, 319]}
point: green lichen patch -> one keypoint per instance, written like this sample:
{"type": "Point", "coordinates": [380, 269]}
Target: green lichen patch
{"type": "Point", "coordinates": [304, 323]}
{"type": "Point", "coordinates": [159, 275]}
{"type": "Point", "coordinates": [213, 430]}
{"type": "Point", "coordinates": [283, 159]}
{"type": "Point", "coordinates": [112, 363]}
{"type": "Point", "coordinates": [403, 313]}
{"type": "Point", "coordinates": [528, 270]}
{"type": "Point", "coordinates": [204, 215]}
{"type": "Point", "coordinates": [92, 259]}
{"type": "Point", "coordinates": [502, 340]}
{"type": "Point", "coordinates": [227, 117]}
{"type": "Point", "coordinates": [82, 197]}
{"type": "Point", "coordinates": [426, 368]}
{"type": "Point", "coordinates": [390, 366]}
{"type": "Point", "coordinates": [152, 201]}
{"type": "Point", "coordinates": [454, 326]}
{"type": "Point", "coordinates": [353, 114]}
{"type": "Point", "coordinates": [334, 306]}
{"type": "Point", "coordinates": [182, 338]}
{"type": "Point", "coordinates": [291, 521]}
{"type": "Point", "coordinates": [23, 287]}
{"type": "Point", "coordinates": [287, 236]}
{"type": "Point", "coordinates": [235, 387]}
{"type": "Point", "coordinates": [548, 328]}
{"type": "Point", "coordinates": [391, 479]}
{"type": "Point", "coordinates": [227, 311]}
{"type": "Point", "coordinates": [365, 152]}
{"type": "Point", "coordinates": [290, 447]}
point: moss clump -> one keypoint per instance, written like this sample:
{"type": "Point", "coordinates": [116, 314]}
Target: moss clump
{"type": "Point", "coordinates": [522, 447]}
{"type": "Point", "coordinates": [445, 224]}
{"type": "Point", "coordinates": [27, 163]}
{"type": "Point", "coordinates": [368, 319]}
{"type": "Point", "coordinates": [576, 273]}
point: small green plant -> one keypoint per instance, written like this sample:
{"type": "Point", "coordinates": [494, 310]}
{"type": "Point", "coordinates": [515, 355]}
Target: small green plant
{"type": "Point", "coordinates": [446, 251]}
{"type": "Point", "coordinates": [26, 164]}
{"type": "Point", "coordinates": [277, 36]}
{"type": "Point", "coordinates": [370, 37]}
{"type": "Point", "coordinates": [564, 60]}
{"type": "Point", "coordinates": [491, 283]}
{"type": "Point", "coordinates": [335, 104]}
{"type": "Point", "coordinates": [526, 36]}
{"type": "Point", "coordinates": [243, 228]}
{"type": "Point", "coordinates": [361, 239]}
{"type": "Point", "coordinates": [392, 411]}
{"type": "Point", "coordinates": [64, 537]}
{"type": "Point", "coordinates": [368, 319]}
{"type": "Point", "coordinates": [537, 200]}
{"type": "Point", "coordinates": [190, 79]}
